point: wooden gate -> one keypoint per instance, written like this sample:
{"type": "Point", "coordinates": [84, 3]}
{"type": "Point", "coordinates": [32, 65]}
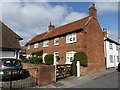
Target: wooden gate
{"type": "Point", "coordinates": [63, 71]}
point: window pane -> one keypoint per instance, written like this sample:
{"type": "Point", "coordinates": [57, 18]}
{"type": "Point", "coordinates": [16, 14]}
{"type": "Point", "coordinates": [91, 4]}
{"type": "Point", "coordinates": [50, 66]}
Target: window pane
{"type": "Point", "coordinates": [111, 58]}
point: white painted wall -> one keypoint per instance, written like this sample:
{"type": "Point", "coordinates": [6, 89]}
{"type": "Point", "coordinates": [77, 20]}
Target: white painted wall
{"type": "Point", "coordinates": [109, 52]}
{"type": "Point", "coordinates": [119, 49]}
{"type": "Point", "coordinates": [9, 54]}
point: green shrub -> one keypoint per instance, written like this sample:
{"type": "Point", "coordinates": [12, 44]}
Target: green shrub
{"type": "Point", "coordinates": [82, 57]}
{"type": "Point", "coordinates": [38, 53]}
{"type": "Point", "coordinates": [74, 68]}
{"type": "Point", "coordinates": [49, 59]}
{"type": "Point", "coordinates": [79, 56]}
{"type": "Point", "coordinates": [35, 60]}
{"type": "Point", "coordinates": [24, 61]}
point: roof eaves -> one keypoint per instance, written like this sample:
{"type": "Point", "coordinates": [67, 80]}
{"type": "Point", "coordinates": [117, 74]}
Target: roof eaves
{"type": "Point", "coordinates": [109, 39]}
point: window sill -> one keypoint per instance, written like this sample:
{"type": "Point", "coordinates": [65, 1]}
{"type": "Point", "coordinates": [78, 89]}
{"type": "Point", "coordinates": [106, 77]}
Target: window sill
{"type": "Point", "coordinates": [68, 63]}
{"type": "Point", "coordinates": [45, 46]}
{"type": "Point", "coordinates": [56, 44]}
{"type": "Point", "coordinates": [71, 42]}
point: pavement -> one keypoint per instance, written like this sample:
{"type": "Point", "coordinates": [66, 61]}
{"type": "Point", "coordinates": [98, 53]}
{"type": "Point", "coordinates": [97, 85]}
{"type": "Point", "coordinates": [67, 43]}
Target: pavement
{"type": "Point", "coordinates": [74, 81]}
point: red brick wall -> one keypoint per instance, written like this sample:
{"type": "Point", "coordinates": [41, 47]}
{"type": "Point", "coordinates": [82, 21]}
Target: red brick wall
{"type": "Point", "coordinates": [95, 47]}
{"type": "Point", "coordinates": [45, 74]}
{"type": "Point", "coordinates": [83, 70]}
{"type": "Point", "coordinates": [90, 41]}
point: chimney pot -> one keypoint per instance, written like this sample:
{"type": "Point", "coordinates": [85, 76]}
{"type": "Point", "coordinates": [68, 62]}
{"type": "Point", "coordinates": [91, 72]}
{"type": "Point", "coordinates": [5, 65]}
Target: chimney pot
{"type": "Point", "coordinates": [51, 27]}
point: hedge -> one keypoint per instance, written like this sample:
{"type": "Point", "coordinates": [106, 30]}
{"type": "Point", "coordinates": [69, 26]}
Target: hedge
{"type": "Point", "coordinates": [49, 59]}
{"type": "Point", "coordinates": [82, 57]}
{"type": "Point", "coordinates": [33, 60]}
{"type": "Point", "coordinates": [38, 53]}
{"type": "Point", "coordinates": [79, 56]}
{"type": "Point", "coordinates": [36, 60]}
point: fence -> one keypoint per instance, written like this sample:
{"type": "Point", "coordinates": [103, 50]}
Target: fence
{"type": "Point", "coordinates": [63, 71]}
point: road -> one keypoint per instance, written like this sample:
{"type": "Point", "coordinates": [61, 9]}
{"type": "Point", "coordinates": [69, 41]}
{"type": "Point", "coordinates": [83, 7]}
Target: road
{"type": "Point", "coordinates": [108, 81]}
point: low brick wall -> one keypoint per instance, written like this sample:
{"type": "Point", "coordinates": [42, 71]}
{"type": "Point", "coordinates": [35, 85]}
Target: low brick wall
{"type": "Point", "coordinates": [83, 70]}
{"type": "Point", "coordinates": [45, 74]}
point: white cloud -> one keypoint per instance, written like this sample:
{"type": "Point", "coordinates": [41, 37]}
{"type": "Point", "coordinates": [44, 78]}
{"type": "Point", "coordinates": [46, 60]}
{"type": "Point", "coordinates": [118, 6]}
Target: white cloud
{"type": "Point", "coordinates": [106, 7]}
{"type": "Point", "coordinates": [29, 19]}
{"type": "Point", "coordinates": [73, 16]}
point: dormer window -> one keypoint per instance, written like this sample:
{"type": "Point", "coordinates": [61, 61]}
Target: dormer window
{"type": "Point", "coordinates": [71, 38]}
{"type": "Point", "coordinates": [36, 45]}
{"type": "Point", "coordinates": [46, 43]}
{"type": "Point", "coordinates": [56, 41]}
{"type": "Point", "coordinates": [28, 47]}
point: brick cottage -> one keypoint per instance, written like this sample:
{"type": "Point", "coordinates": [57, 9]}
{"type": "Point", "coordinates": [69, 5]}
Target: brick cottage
{"type": "Point", "coordinates": [82, 35]}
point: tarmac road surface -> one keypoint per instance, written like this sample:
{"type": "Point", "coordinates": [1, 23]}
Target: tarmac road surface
{"type": "Point", "coordinates": [107, 81]}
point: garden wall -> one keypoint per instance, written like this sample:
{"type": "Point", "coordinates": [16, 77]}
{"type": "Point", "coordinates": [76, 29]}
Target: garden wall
{"type": "Point", "coordinates": [44, 74]}
{"type": "Point", "coordinates": [83, 70]}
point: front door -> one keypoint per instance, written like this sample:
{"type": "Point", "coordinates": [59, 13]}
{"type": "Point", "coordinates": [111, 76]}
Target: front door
{"type": "Point", "coordinates": [56, 54]}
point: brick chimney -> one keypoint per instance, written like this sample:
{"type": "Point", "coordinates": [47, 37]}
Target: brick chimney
{"type": "Point", "coordinates": [93, 11]}
{"type": "Point", "coordinates": [105, 32]}
{"type": "Point", "coordinates": [51, 27]}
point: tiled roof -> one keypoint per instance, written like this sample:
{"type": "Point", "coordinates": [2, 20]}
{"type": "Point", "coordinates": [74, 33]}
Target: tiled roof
{"type": "Point", "coordinates": [37, 38]}
{"type": "Point", "coordinates": [10, 40]}
{"type": "Point", "coordinates": [70, 27]}
{"type": "Point", "coordinates": [109, 39]}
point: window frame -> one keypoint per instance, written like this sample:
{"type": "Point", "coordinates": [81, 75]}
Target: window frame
{"type": "Point", "coordinates": [111, 59]}
{"type": "Point", "coordinates": [71, 38]}
{"type": "Point", "coordinates": [46, 43]}
{"type": "Point", "coordinates": [57, 41]}
{"type": "Point", "coordinates": [28, 47]}
{"type": "Point", "coordinates": [110, 45]}
{"type": "Point", "coordinates": [36, 45]}
{"type": "Point", "coordinates": [70, 55]}
{"type": "Point", "coordinates": [117, 47]}
{"type": "Point", "coordinates": [118, 59]}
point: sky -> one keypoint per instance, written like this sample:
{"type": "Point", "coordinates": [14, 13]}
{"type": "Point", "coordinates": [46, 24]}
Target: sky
{"type": "Point", "coordinates": [30, 18]}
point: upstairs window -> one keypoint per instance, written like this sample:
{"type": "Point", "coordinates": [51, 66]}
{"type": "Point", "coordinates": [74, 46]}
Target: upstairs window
{"type": "Point", "coordinates": [46, 43]}
{"type": "Point", "coordinates": [36, 45]}
{"type": "Point", "coordinates": [71, 38]}
{"type": "Point", "coordinates": [110, 45]}
{"type": "Point", "coordinates": [56, 41]}
{"type": "Point", "coordinates": [28, 47]}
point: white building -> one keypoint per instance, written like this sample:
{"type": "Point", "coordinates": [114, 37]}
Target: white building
{"type": "Point", "coordinates": [119, 49]}
{"type": "Point", "coordinates": [111, 49]}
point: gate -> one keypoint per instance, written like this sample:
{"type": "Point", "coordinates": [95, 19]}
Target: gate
{"type": "Point", "coordinates": [23, 81]}
{"type": "Point", "coordinates": [63, 71]}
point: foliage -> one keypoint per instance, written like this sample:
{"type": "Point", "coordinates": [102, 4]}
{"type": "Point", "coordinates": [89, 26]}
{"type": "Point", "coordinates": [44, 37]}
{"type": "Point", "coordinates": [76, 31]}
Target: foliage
{"type": "Point", "coordinates": [74, 68]}
{"type": "Point", "coordinates": [82, 57]}
{"type": "Point", "coordinates": [25, 61]}
{"type": "Point", "coordinates": [38, 53]}
{"type": "Point", "coordinates": [79, 56]}
{"type": "Point", "coordinates": [33, 60]}
{"type": "Point", "coordinates": [49, 59]}
{"type": "Point", "coordinates": [22, 52]}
